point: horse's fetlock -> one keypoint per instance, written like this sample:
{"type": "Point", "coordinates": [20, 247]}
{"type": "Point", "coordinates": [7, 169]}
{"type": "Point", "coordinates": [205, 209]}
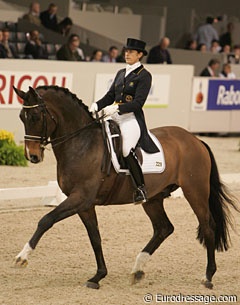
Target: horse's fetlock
{"type": "Point", "coordinates": [102, 272]}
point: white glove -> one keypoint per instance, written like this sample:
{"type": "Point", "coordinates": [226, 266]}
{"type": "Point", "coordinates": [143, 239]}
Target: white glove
{"type": "Point", "coordinates": [110, 110]}
{"type": "Point", "coordinates": [93, 108]}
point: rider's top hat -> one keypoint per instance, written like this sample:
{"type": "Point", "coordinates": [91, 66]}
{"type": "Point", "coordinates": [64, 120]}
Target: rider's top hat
{"type": "Point", "coordinates": [135, 44]}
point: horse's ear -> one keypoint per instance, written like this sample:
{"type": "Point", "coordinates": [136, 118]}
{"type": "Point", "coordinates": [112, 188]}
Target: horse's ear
{"type": "Point", "coordinates": [34, 92]}
{"type": "Point", "coordinates": [20, 93]}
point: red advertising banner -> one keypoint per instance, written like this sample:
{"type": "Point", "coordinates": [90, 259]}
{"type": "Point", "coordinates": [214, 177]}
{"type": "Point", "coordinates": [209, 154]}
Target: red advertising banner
{"type": "Point", "coordinates": [22, 81]}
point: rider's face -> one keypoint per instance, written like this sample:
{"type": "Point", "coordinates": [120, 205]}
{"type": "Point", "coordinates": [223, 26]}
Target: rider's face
{"type": "Point", "coordinates": [132, 56]}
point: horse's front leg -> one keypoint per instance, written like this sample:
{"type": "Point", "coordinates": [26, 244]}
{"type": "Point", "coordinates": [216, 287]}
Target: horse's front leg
{"type": "Point", "coordinates": [67, 208]}
{"type": "Point", "coordinates": [89, 219]}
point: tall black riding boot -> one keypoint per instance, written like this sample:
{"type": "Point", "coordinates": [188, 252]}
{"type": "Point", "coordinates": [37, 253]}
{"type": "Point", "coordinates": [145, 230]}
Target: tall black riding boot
{"type": "Point", "coordinates": [139, 195]}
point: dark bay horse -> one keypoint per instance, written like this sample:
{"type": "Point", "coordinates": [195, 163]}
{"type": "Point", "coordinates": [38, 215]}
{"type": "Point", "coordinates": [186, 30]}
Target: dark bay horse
{"type": "Point", "coordinates": [51, 112]}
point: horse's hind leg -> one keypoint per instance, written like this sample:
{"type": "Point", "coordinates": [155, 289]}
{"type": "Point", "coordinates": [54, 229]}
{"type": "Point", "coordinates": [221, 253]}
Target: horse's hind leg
{"type": "Point", "coordinates": [162, 228]}
{"type": "Point", "coordinates": [89, 219]}
{"type": "Point", "coordinates": [198, 198]}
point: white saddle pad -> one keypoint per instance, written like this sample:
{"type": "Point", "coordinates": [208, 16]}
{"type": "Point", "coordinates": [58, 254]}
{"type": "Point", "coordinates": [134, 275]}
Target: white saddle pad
{"type": "Point", "coordinates": [152, 163]}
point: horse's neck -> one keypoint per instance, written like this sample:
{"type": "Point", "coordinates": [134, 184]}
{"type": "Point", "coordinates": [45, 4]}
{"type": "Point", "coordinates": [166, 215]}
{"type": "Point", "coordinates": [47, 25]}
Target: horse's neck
{"type": "Point", "coordinates": [69, 121]}
{"type": "Point", "coordinates": [66, 127]}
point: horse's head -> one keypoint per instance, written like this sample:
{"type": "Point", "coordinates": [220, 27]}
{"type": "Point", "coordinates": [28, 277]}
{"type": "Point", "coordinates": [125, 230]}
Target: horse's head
{"type": "Point", "coordinates": [38, 124]}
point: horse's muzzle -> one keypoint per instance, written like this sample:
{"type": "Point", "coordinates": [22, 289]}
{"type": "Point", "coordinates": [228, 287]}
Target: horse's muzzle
{"type": "Point", "coordinates": [33, 152]}
{"type": "Point", "coordinates": [35, 159]}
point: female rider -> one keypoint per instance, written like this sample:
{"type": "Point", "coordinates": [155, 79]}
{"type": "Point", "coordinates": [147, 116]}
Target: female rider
{"type": "Point", "coordinates": [124, 102]}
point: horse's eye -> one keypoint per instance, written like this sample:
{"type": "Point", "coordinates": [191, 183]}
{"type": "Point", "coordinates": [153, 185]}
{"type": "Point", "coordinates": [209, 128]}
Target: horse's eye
{"type": "Point", "coordinates": [30, 116]}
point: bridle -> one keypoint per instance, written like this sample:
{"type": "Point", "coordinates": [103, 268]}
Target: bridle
{"type": "Point", "coordinates": [43, 138]}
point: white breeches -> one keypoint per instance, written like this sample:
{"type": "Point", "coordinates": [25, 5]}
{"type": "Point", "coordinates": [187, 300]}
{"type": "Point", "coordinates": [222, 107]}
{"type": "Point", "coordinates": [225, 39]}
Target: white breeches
{"type": "Point", "coordinates": [130, 131]}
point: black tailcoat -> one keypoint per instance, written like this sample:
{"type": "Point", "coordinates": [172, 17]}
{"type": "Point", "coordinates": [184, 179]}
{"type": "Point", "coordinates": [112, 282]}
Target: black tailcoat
{"type": "Point", "coordinates": [131, 93]}
{"type": "Point", "coordinates": [205, 72]}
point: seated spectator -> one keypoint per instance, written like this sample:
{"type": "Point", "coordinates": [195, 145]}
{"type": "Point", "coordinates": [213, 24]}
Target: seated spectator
{"type": "Point", "coordinates": [215, 46]}
{"type": "Point", "coordinates": [3, 51]}
{"type": "Point", "coordinates": [71, 51]}
{"type": "Point", "coordinates": [227, 72]}
{"type": "Point", "coordinates": [202, 47]}
{"type": "Point", "coordinates": [226, 49]}
{"type": "Point", "coordinates": [9, 47]}
{"type": "Point", "coordinates": [33, 14]}
{"type": "Point", "coordinates": [191, 45]}
{"type": "Point", "coordinates": [234, 58]}
{"type": "Point", "coordinates": [96, 55]}
{"type": "Point", "coordinates": [34, 48]}
{"type": "Point", "coordinates": [211, 69]}
{"type": "Point", "coordinates": [206, 33]}
{"type": "Point", "coordinates": [226, 38]}
{"type": "Point", "coordinates": [49, 17]}
{"type": "Point", "coordinates": [160, 54]}
{"type": "Point", "coordinates": [65, 26]}
{"type": "Point", "coordinates": [111, 56]}
{"type": "Point", "coordinates": [121, 56]}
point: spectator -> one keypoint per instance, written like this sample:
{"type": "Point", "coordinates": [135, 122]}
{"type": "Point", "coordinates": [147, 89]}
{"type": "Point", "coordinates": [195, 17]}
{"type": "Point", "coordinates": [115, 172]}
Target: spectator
{"type": "Point", "coordinates": [191, 45]}
{"type": "Point", "coordinates": [111, 56]}
{"type": "Point", "coordinates": [206, 33]}
{"type": "Point", "coordinates": [202, 47]}
{"type": "Point", "coordinates": [96, 55]}
{"type": "Point", "coordinates": [226, 38]}
{"type": "Point", "coordinates": [3, 52]}
{"type": "Point", "coordinates": [227, 72]}
{"type": "Point", "coordinates": [34, 48]}
{"type": "Point", "coordinates": [226, 49]}
{"type": "Point", "coordinates": [49, 17]}
{"type": "Point", "coordinates": [235, 57]}
{"type": "Point", "coordinates": [215, 46]}
{"type": "Point", "coordinates": [9, 47]}
{"type": "Point", "coordinates": [71, 51]}
{"type": "Point", "coordinates": [121, 56]}
{"type": "Point", "coordinates": [211, 69]}
{"type": "Point", "coordinates": [33, 15]}
{"type": "Point", "coordinates": [160, 54]}
{"type": "Point", "coordinates": [65, 26]}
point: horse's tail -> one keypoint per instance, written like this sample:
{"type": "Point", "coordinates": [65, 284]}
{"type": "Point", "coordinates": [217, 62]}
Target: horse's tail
{"type": "Point", "coordinates": [219, 201]}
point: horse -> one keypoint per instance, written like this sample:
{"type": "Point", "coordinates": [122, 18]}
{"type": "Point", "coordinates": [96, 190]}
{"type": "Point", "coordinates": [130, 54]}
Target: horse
{"type": "Point", "coordinates": [54, 115]}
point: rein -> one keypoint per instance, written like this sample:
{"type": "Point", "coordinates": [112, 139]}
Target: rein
{"type": "Point", "coordinates": [69, 136]}
{"type": "Point", "coordinates": [43, 139]}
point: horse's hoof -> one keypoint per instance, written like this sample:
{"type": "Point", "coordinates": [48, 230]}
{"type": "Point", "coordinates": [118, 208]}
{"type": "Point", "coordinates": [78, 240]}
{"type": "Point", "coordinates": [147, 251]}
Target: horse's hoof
{"type": "Point", "coordinates": [137, 277]}
{"type": "Point", "coordinates": [208, 284]}
{"type": "Point", "coordinates": [20, 263]}
{"type": "Point", "coordinates": [92, 285]}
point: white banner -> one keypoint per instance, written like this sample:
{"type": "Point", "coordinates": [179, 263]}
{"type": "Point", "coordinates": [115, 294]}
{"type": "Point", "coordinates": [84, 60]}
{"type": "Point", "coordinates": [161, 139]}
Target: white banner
{"type": "Point", "coordinates": [158, 95]}
{"type": "Point", "coordinates": [199, 93]}
{"type": "Point", "coordinates": [22, 80]}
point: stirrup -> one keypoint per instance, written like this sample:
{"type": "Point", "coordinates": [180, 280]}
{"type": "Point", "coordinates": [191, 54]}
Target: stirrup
{"type": "Point", "coordinates": [139, 195]}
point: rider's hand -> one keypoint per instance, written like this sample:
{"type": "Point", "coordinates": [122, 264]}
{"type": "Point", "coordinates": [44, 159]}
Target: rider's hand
{"type": "Point", "coordinates": [110, 110]}
{"type": "Point", "coordinates": [93, 108]}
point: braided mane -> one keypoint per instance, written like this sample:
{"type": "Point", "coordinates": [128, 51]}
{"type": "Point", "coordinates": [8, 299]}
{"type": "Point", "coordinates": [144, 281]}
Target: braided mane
{"type": "Point", "coordinates": [67, 92]}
